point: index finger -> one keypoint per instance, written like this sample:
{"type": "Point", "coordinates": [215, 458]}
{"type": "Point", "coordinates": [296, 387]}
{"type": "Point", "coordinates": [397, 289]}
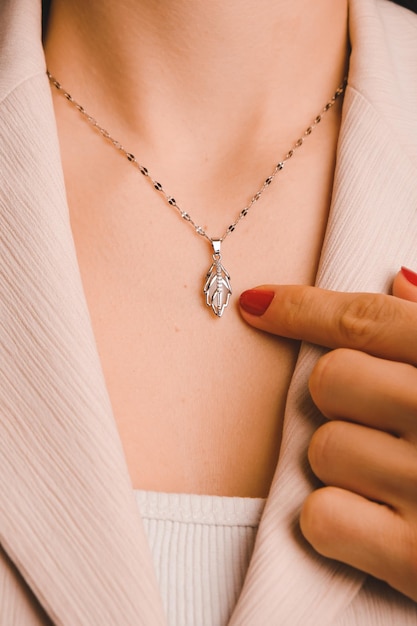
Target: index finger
{"type": "Point", "coordinates": [378, 324]}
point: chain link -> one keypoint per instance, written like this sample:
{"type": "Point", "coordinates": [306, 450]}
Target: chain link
{"type": "Point", "coordinates": [170, 199]}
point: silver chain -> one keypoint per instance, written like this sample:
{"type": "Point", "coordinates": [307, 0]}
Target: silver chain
{"type": "Point", "coordinates": [158, 186]}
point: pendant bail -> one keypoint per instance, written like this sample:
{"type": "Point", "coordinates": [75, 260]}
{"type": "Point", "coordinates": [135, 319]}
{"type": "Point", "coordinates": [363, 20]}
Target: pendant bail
{"type": "Point", "coordinates": [217, 288]}
{"type": "Point", "coordinates": [216, 243]}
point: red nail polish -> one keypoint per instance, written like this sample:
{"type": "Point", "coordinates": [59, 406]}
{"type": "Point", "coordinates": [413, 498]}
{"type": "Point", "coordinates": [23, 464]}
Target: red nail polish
{"type": "Point", "coordinates": [409, 275]}
{"type": "Point", "coordinates": [256, 301]}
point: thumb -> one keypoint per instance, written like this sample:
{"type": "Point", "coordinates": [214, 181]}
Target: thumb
{"type": "Point", "coordinates": [405, 285]}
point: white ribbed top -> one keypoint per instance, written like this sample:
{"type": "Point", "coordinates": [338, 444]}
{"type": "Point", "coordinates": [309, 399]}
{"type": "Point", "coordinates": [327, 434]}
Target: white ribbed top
{"type": "Point", "coordinates": [201, 547]}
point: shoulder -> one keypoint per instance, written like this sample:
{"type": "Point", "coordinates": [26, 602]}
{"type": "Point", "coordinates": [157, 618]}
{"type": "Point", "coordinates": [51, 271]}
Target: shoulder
{"type": "Point", "coordinates": [21, 51]}
{"type": "Point", "coordinates": [400, 24]}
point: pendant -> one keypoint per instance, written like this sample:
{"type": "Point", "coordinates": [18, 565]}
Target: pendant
{"type": "Point", "coordinates": [217, 287]}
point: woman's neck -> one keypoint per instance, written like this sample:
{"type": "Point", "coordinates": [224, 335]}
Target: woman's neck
{"type": "Point", "coordinates": [204, 69]}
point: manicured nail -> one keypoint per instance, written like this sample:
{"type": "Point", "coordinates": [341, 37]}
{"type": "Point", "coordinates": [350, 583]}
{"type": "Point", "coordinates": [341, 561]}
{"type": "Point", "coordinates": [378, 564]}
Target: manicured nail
{"type": "Point", "coordinates": [409, 275]}
{"type": "Point", "coordinates": [256, 301]}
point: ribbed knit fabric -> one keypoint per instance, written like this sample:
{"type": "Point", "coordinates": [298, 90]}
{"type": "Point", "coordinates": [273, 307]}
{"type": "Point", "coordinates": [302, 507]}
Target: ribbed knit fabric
{"type": "Point", "coordinates": [201, 547]}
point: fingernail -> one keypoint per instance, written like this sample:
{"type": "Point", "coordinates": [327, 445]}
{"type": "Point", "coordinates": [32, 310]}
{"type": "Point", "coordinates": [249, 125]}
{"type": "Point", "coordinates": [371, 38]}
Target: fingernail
{"type": "Point", "coordinates": [409, 275]}
{"type": "Point", "coordinates": [256, 301]}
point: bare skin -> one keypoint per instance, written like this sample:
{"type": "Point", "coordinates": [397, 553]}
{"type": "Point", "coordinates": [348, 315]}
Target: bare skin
{"type": "Point", "coordinates": [208, 96]}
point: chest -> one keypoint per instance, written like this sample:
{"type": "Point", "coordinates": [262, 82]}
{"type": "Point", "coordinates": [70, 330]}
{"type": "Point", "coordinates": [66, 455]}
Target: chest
{"type": "Point", "coordinates": [198, 400]}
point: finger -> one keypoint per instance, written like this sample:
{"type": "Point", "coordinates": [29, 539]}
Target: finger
{"type": "Point", "coordinates": [405, 285]}
{"type": "Point", "coordinates": [352, 385]}
{"type": "Point", "coordinates": [369, 462]}
{"type": "Point", "coordinates": [382, 325]}
{"type": "Point", "coordinates": [371, 537]}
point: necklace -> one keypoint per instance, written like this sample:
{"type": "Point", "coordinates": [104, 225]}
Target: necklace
{"type": "Point", "coordinates": [217, 287]}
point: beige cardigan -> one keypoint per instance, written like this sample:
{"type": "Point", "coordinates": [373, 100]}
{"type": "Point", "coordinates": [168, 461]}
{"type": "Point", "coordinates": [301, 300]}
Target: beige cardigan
{"type": "Point", "coordinates": [72, 540]}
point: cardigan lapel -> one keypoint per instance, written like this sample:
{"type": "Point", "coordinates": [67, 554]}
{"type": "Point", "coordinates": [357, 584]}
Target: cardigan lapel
{"type": "Point", "coordinates": [68, 519]}
{"type": "Point", "coordinates": [372, 231]}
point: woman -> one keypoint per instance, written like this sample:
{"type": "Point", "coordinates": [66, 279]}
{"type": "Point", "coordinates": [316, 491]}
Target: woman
{"type": "Point", "coordinates": [101, 393]}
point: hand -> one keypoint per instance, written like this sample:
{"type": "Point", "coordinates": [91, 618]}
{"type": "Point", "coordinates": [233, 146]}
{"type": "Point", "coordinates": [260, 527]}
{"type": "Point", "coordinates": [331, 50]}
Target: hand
{"type": "Point", "coordinates": [366, 453]}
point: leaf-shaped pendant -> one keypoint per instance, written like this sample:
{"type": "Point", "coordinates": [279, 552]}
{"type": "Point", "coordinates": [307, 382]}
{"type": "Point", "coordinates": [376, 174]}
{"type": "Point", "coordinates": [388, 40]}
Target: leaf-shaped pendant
{"type": "Point", "coordinates": [217, 287]}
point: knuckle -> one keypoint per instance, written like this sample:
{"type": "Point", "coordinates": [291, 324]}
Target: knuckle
{"type": "Point", "coordinates": [365, 316]}
{"type": "Point", "coordinates": [296, 301]}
